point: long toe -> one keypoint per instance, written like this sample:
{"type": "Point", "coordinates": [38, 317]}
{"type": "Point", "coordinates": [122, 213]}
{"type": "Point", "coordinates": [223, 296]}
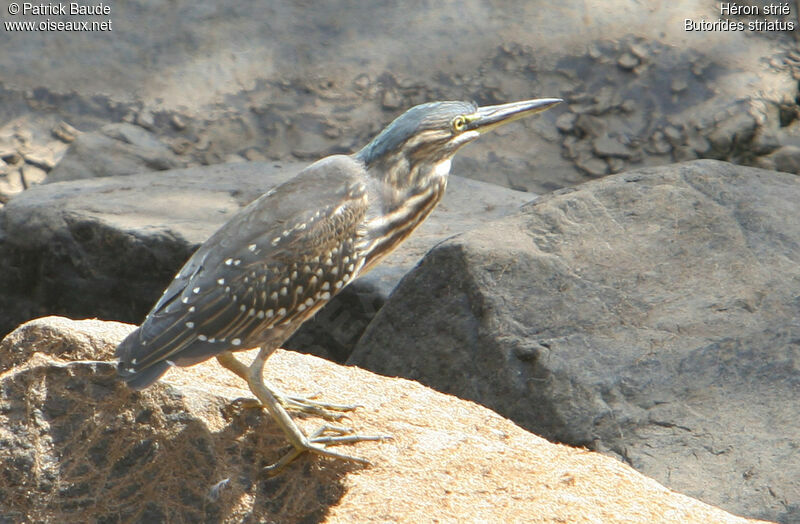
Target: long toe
{"type": "Point", "coordinates": [328, 411]}
{"type": "Point", "coordinates": [318, 443]}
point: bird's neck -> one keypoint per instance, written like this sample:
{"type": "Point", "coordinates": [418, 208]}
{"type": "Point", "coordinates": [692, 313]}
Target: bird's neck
{"type": "Point", "coordinates": [400, 205]}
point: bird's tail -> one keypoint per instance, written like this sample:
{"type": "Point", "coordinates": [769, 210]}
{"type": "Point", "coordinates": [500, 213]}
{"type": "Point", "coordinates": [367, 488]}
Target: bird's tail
{"type": "Point", "coordinates": [137, 378]}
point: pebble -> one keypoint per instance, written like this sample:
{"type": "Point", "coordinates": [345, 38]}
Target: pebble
{"type": "Point", "coordinates": [254, 155]}
{"type": "Point", "coordinates": [177, 122]}
{"type": "Point", "coordinates": [361, 82]}
{"type": "Point", "coordinates": [678, 85]}
{"type": "Point", "coordinates": [673, 133]}
{"type": "Point", "coordinates": [65, 132]}
{"type": "Point", "coordinates": [628, 61]}
{"type": "Point", "coordinates": [605, 146]}
{"type": "Point", "coordinates": [658, 144]}
{"type": "Point", "coordinates": [32, 175]}
{"type": "Point", "coordinates": [145, 119]}
{"type": "Point", "coordinates": [40, 159]}
{"type": "Point", "coordinates": [391, 99]}
{"type": "Point", "coordinates": [592, 165]}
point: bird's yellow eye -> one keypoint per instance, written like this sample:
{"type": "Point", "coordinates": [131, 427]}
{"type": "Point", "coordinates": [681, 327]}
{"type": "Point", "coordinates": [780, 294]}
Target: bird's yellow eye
{"type": "Point", "coordinates": [459, 123]}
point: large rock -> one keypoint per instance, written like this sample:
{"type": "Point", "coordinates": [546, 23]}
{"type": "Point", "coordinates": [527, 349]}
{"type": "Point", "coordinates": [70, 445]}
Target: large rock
{"type": "Point", "coordinates": [652, 315]}
{"type": "Point", "coordinates": [78, 446]}
{"type": "Point", "coordinates": [108, 247]}
{"type": "Point", "coordinates": [116, 149]}
{"type": "Point", "coordinates": [288, 82]}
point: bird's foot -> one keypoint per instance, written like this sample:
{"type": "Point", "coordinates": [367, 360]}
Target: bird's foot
{"type": "Point", "coordinates": [326, 410]}
{"type": "Point", "coordinates": [319, 441]}
{"type": "Point", "coordinates": [308, 406]}
{"type": "Point", "coordinates": [276, 404]}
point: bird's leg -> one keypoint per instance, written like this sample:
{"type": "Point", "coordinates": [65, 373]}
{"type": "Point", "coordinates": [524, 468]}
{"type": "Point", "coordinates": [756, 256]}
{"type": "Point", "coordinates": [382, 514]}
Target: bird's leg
{"type": "Point", "coordinates": [320, 409]}
{"type": "Point", "coordinates": [318, 442]}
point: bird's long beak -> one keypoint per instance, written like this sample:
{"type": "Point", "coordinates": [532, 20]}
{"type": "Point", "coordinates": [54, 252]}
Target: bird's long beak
{"type": "Point", "coordinates": [489, 117]}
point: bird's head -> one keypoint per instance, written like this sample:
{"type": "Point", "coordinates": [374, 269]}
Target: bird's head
{"type": "Point", "coordinates": [421, 142]}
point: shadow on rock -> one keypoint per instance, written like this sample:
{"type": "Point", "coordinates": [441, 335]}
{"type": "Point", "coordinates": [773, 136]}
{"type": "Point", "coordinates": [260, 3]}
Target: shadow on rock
{"type": "Point", "coordinates": [78, 445]}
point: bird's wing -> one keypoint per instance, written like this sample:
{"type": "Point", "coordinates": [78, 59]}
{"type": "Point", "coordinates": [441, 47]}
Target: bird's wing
{"type": "Point", "coordinates": [244, 279]}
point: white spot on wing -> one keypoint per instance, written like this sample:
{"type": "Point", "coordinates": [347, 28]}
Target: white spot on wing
{"type": "Point", "coordinates": [236, 341]}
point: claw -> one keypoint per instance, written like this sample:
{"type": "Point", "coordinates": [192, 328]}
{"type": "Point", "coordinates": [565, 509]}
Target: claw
{"type": "Point", "coordinates": [277, 404]}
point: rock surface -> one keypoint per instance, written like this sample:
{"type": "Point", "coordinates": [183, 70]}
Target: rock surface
{"type": "Point", "coordinates": [293, 83]}
{"type": "Point", "coordinates": [108, 247]}
{"type": "Point", "coordinates": [653, 315]}
{"type": "Point", "coordinates": [78, 446]}
{"type": "Point", "coordinates": [116, 149]}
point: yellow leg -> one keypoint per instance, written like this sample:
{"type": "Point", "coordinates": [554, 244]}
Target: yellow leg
{"type": "Point", "coordinates": [318, 442]}
{"type": "Point", "coordinates": [325, 410]}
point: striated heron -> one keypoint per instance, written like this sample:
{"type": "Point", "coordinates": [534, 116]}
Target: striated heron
{"type": "Point", "coordinates": [285, 255]}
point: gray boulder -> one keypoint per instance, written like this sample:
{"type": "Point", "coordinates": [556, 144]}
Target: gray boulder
{"type": "Point", "coordinates": [107, 247]}
{"type": "Point", "coordinates": [116, 149]}
{"type": "Point", "coordinates": [652, 315]}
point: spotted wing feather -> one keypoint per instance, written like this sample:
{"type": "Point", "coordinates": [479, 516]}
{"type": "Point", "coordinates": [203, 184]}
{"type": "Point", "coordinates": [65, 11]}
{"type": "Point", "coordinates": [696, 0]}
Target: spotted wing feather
{"type": "Point", "coordinates": [259, 277]}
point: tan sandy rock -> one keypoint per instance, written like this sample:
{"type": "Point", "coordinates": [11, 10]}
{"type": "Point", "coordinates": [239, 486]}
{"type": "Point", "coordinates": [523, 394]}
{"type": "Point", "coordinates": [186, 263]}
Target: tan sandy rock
{"type": "Point", "coordinates": [78, 445]}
